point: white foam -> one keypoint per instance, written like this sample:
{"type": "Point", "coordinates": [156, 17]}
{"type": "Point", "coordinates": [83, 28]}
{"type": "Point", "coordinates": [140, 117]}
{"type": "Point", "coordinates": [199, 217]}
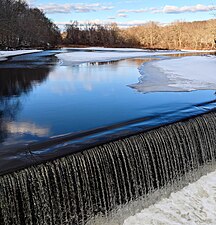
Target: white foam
{"type": "Point", "coordinates": [194, 204]}
{"type": "Point", "coordinates": [5, 54]}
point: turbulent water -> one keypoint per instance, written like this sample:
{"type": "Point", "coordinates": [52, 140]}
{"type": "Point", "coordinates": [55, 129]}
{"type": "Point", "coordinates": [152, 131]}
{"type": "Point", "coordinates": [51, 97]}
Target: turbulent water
{"type": "Point", "coordinates": [73, 189]}
{"type": "Point", "coordinates": [194, 204]}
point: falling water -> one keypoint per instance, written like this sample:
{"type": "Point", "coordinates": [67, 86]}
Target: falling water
{"type": "Point", "coordinates": [73, 189]}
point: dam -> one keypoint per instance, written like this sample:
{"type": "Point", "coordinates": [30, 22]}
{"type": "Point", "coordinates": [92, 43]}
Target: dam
{"type": "Point", "coordinates": [51, 176]}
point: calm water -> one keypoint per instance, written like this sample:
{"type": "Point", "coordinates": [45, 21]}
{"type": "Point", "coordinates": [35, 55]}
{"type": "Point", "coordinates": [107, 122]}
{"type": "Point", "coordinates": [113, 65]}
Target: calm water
{"type": "Point", "coordinates": [40, 98]}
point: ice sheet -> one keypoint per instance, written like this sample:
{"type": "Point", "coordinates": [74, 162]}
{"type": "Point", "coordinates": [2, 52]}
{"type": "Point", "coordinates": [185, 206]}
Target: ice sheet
{"type": "Point", "coordinates": [111, 49]}
{"type": "Point", "coordinates": [181, 74]}
{"type": "Point", "coordinates": [78, 57]}
{"type": "Point", "coordinates": [194, 204]}
{"type": "Point", "coordinates": [5, 54]}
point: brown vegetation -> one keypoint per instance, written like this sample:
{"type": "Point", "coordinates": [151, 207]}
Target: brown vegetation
{"type": "Point", "coordinates": [178, 35]}
{"type": "Point", "coordinates": [96, 35]}
{"type": "Point", "coordinates": [22, 26]}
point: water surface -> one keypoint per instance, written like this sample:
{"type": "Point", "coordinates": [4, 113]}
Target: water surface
{"type": "Point", "coordinates": [40, 98]}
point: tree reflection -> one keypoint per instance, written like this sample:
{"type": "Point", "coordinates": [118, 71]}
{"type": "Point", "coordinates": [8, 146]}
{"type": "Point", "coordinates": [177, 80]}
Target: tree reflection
{"type": "Point", "coordinates": [13, 84]}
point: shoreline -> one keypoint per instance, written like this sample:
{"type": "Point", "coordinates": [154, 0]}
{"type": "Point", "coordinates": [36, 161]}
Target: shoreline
{"type": "Point", "coordinates": [4, 55]}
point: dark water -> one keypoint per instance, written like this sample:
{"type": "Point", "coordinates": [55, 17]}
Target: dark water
{"type": "Point", "coordinates": [40, 99]}
{"type": "Point", "coordinates": [93, 104]}
{"type": "Point", "coordinates": [73, 189]}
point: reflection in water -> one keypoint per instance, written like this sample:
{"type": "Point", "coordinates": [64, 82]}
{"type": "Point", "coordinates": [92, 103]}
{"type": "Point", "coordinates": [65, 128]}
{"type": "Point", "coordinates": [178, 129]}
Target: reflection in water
{"type": "Point", "coordinates": [14, 83]}
{"type": "Point", "coordinates": [86, 74]}
{"type": "Point", "coordinates": [190, 54]}
{"type": "Point", "coordinates": [24, 127]}
{"type": "Point", "coordinates": [102, 63]}
{"type": "Point", "coordinates": [137, 61]}
{"type": "Point", "coordinates": [8, 110]}
{"type": "Point", "coordinates": [86, 78]}
{"type": "Point", "coordinates": [85, 97]}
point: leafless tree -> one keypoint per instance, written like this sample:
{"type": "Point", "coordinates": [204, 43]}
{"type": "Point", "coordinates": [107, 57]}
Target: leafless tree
{"type": "Point", "coordinates": [21, 26]}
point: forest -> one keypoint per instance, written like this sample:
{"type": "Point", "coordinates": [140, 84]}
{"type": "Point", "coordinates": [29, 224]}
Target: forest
{"type": "Point", "coordinates": [24, 27]}
{"type": "Point", "coordinates": [178, 35]}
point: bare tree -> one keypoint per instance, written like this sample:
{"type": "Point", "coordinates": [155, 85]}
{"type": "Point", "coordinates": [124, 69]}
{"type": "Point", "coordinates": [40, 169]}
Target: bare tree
{"type": "Point", "coordinates": [21, 26]}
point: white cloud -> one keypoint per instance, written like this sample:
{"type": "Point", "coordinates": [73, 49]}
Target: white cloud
{"type": "Point", "coordinates": [79, 8]}
{"type": "Point", "coordinates": [184, 9]}
{"type": "Point", "coordinates": [111, 18]}
{"type": "Point", "coordinates": [132, 23]}
{"type": "Point", "coordinates": [103, 22]}
{"type": "Point", "coordinates": [31, 3]}
{"type": "Point", "coordinates": [122, 15]}
{"type": "Point", "coordinates": [168, 9]}
{"type": "Point", "coordinates": [133, 10]}
{"type": "Point", "coordinates": [56, 8]}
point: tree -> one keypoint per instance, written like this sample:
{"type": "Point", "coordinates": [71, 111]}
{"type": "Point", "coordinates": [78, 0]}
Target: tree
{"type": "Point", "coordinates": [22, 26]}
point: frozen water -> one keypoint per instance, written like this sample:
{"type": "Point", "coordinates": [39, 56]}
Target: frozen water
{"type": "Point", "coordinates": [111, 49]}
{"type": "Point", "coordinates": [179, 74]}
{"type": "Point", "coordinates": [107, 55]}
{"type": "Point", "coordinates": [5, 54]}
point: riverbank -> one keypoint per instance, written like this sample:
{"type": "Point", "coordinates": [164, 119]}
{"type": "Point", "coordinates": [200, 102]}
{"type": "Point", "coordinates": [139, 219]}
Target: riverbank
{"type": "Point", "coordinates": [5, 54]}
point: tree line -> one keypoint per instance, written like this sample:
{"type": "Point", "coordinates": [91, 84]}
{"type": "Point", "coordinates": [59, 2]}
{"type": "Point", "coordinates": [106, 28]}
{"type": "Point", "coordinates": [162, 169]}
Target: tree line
{"type": "Point", "coordinates": [178, 35]}
{"type": "Point", "coordinates": [91, 34]}
{"type": "Point", "coordinates": [22, 26]}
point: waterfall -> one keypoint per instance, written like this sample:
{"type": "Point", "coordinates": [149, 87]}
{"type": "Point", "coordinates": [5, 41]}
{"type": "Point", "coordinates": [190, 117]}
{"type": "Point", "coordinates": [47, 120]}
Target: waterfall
{"type": "Point", "coordinates": [72, 189]}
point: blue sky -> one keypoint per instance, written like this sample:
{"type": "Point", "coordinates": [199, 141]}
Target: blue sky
{"type": "Point", "coordinates": [126, 12]}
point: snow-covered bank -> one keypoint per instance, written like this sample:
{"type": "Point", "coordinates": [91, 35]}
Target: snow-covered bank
{"type": "Point", "coordinates": [5, 54]}
{"type": "Point", "coordinates": [181, 74]}
{"type": "Point", "coordinates": [132, 49]}
{"type": "Point", "coordinates": [190, 50]}
{"type": "Point", "coordinates": [194, 204]}
{"type": "Point", "coordinates": [110, 49]}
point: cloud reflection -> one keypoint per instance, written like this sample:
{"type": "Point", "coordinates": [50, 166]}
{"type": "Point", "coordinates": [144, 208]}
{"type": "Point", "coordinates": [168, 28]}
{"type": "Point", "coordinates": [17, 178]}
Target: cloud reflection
{"type": "Point", "coordinates": [27, 128]}
{"type": "Point", "coordinates": [68, 79]}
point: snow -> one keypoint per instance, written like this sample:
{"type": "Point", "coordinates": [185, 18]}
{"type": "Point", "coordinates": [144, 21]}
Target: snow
{"type": "Point", "coordinates": [110, 49]}
{"type": "Point", "coordinates": [5, 54]}
{"type": "Point", "coordinates": [79, 57]}
{"type": "Point", "coordinates": [179, 74]}
{"type": "Point", "coordinates": [118, 49]}
{"type": "Point", "coordinates": [194, 204]}
{"type": "Point", "coordinates": [189, 50]}
{"type": "Point", "coordinates": [133, 49]}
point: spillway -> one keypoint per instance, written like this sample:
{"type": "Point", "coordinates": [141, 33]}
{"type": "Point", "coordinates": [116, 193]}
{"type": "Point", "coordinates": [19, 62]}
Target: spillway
{"type": "Point", "coordinates": [75, 188]}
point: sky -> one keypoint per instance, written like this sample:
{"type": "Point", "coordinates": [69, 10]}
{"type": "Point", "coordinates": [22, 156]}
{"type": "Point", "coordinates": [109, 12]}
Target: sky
{"type": "Point", "coordinates": [126, 12]}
